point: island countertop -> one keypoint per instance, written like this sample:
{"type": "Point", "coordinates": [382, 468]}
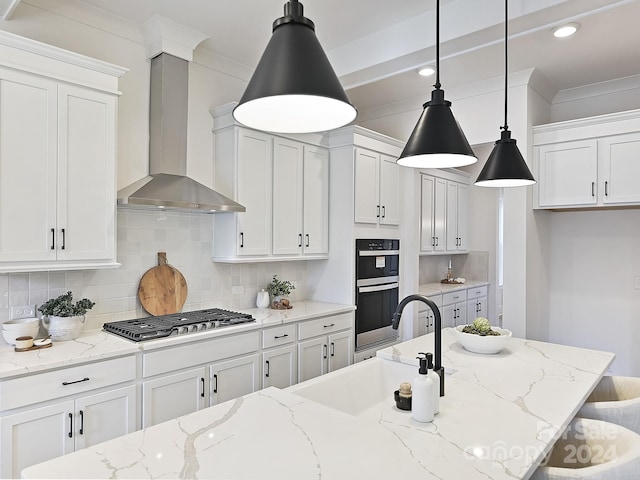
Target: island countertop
{"type": "Point", "coordinates": [500, 415]}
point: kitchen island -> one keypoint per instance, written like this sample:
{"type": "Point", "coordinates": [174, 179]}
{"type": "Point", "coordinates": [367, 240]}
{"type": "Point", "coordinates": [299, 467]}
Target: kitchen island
{"type": "Point", "coordinates": [500, 415]}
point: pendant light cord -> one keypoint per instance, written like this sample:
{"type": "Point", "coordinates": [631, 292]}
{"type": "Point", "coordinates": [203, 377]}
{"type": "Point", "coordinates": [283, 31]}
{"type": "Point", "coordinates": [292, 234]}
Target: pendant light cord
{"type": "Point", "coordinates": [506, 61]}
{"type": "Point", "coordinates": [437, 84]}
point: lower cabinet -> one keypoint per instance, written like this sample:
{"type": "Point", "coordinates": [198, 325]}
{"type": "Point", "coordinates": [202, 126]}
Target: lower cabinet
{"type": "Point", "coordinates": [477, 303]}
{"type": "Point", "coordinates": [454, 308]}
{"type": "Point", "coordinates": [426, 317]}
{"type": "Point", "coordinates": [279, 367]}
{"type": "Point", "coordinates": [234, 378]}
{"type": "Point", "coordinates": [41, 434]}
{"type": "Point", "coordinates": [324, 354]}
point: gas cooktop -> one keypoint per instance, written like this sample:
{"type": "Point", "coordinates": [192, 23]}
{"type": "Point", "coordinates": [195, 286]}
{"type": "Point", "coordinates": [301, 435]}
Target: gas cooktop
{"type": "Point", "coordinates": [151, 328]}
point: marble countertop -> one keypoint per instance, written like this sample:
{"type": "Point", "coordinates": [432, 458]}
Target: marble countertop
{"type": "Point", "coordinates": [96, 345]}
{"type": "Point", "coordinates": [436, 288]}
{"type": "Point", "coordinates": [499, 416]}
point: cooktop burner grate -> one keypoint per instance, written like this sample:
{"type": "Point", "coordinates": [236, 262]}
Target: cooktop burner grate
{"type": "Point", "coordinates": [150, 328]}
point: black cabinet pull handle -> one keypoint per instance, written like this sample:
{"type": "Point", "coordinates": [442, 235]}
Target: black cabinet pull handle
{"type": "Point", "coordinates": [241, 239]}
{"type": "Point", "coordinates": [53, 239]}
{"type": "Point", "coordinates": [307, 240]}
{"type": "Point", "coordinates": [85, 379]}
{"type": "Point", "coordinates": [267, 372]}
{"type": "Point", "coordinates": [281, 336]}
{"type": "Point", "coordinates": [384, 212]}
{"type": "Point", "coordinates": [64, 241]}
{"type": "Point", "coordinates": [215, 383]}
{"type": "Point", "coordinates": [324, 349]}
{"type": "Point", "coordinates": [202, 384]}
{"type": "Point", "coordinates": [593, 186]}
{"type": "Point", "coordinates": [433, 241]}
{"type": "Point", "coordinates": [378, 214]}
{"type": "Point", "coordinates": [333, 349]}
{"type": "Point", "coordinates": [70, 426]}
{"type": "Point", "coordinates": [299, 239]}
{"type": "Point", "coordinates": [606, 189]}
{"type": "Point", "coordinates": [330, 325]}
{"type": "Point", "coordinates": [437, 241]}
{"type": "Point", "coordinates": [81, 422]}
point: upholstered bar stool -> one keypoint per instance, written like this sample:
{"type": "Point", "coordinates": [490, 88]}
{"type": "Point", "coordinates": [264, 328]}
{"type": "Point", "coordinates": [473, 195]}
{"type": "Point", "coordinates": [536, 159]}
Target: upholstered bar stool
{"type": "Point", "coordinates": [615, 399]}
{"type": "Point", "coordinates": [593, 450]}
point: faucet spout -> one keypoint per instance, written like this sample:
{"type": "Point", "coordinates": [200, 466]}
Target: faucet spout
{"type": "Point", "coordinates": [437, 367]}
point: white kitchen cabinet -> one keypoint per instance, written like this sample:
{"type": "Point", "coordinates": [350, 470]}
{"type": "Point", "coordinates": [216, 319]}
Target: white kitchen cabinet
{"type": "Point", "coordinates": [325, 345]}
{"type": "Point", "coordinates": [454, 308]}
{"type": "Point", "coordinates": [58, 158]}
{"type": "Point", "coordinates": [477, 303]}
{"type": "Point", "coordinates": [457, 216]}
{"type": "Point", "coordinates": [426, 317]}
{"type": "Point", "coordinates": [376, 189]}
{"type": "Point", "coordinates": [39, 433]}
{"type": "Point", "coordinates": [234, 378]}
{"type": "Point", "coordinates": [588, 163]}
{"type": "Point", "coordinates": [279, 367]}
{"type": "Point", "coordinates": [171, 396]}
{"type": "Point", "coordinates": [433, 214]}
{"type": "Point", "coordinates": [300, 199]}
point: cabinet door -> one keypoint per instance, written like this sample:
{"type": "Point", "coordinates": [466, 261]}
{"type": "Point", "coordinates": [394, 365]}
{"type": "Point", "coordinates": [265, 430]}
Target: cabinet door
{"type": "Point", "coordinates": [86, 174]}
{"type": "Point", "coordinates": [440, 214]}
{"type": "Point", "coordinates": [340, 350]}
{"type": "Point", "coordinates": [287, 196]}
{"type": "Point", "coordinates": [448, 314]}
{"type": "Point", "coordinates": [389, 191]}
{"type": "Point", "coordinates": [35, 436]}
{"type": "Point", "coordinates": [316, 201]}
{"type": "Point", "coordinates": [366, 205]}
{"type": "Point", "coordinates": [174, 395]}
{"type": "Point", "coordinates": [254, 193]}
{"type": "Point", "coordinates": [462, 216]}
{"type": "Point", "coordinates": [279, 367]}
{"type": "Point", "coordinates": [104, 416]}
{"type": "Point", "coordinates": [568, 173]}
{"type": "Point", "coordinates": [460, 314]}
{"type": "Point", "coordinates": [427, 236]}
{"type": "Point", "coordinates": [620, 158]}
{"type": "Point", "coordinates": [234, 378]}
{"type": "Point", "coordinates": [28, 159]}
{"type": "Point", "coordinates": [312, 358]}
{"type": "Point", "coordinates": [452, 216]}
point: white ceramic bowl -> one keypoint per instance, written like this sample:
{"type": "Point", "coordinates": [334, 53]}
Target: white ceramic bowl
{"type": "Point", "coordinates": [21, 327]}
{"type": "Point", "coordinates": [487, 344]}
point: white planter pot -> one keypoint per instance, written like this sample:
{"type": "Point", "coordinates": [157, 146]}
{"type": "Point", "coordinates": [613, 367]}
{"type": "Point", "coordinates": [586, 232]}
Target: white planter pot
{"type": "Point", "coordinates": [63, 328]}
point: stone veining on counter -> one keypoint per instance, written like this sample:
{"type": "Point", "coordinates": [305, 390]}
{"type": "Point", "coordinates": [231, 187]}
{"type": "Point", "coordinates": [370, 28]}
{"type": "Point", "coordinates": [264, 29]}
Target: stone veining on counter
{"type": "Point", "coordinates": [533, 388]}
{"type": "Point", "coordinates": [95, 345]}
{"type": "Point", "coordinates": [436, 288]}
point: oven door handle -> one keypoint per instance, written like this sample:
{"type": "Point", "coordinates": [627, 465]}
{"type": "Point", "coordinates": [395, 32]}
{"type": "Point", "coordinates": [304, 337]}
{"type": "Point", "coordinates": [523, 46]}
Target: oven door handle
{"type": "Point", "coordinates": [378, 288]}
{"type": "Point", "coordinates": [377, 253]}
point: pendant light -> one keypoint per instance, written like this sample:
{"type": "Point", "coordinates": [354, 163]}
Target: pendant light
{"type": "Point", "coordinates": [437, 141]}
{"type": "Point", "coordinates": [294, 88]}
{"type": "Point", "coordinates": [505, 166]}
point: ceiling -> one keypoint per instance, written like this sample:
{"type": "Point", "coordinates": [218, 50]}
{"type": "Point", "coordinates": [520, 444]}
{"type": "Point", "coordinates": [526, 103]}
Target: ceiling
{"type": "Point", "coordinates": [376, 45]}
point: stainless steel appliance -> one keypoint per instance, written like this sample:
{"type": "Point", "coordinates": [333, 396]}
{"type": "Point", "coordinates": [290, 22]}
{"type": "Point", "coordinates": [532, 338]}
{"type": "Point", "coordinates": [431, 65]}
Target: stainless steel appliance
{"type": "Point", "coordinates": [151, 328]}
{"type": "Point", "coordinates": [377, 287]}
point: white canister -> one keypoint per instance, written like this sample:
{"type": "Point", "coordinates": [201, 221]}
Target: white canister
{"type": "Point", "coordinates": [262, 299]}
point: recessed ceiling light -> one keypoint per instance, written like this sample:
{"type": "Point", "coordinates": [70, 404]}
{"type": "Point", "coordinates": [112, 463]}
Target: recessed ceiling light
{"type": "Point", "coordinates": [566, 30]}
{"type": "Point", "coordinates": [426, 71]}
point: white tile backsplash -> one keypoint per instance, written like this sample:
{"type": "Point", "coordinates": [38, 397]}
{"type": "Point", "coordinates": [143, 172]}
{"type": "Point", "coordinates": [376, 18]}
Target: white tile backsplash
{"type": "Point", "coordinates": [187, 239]}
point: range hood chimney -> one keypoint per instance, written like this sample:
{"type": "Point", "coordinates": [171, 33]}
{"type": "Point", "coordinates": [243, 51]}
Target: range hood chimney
{"type": "Point", "coordinates": [168, 185]}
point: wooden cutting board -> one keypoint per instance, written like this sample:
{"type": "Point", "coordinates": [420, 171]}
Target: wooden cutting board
{"type": "Point", "coordinates": [162, 289]}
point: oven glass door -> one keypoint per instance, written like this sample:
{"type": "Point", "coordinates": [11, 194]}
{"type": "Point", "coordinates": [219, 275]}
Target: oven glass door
{"type": "Point", "coordinates": [377, 264]}
{"type": "Point", "coordinates": [374, 314]}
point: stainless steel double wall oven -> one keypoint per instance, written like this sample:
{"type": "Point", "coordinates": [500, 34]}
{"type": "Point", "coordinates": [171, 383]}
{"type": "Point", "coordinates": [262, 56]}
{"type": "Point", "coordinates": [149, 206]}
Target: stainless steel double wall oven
{"type": "Point", "coordinates": [377, 287]}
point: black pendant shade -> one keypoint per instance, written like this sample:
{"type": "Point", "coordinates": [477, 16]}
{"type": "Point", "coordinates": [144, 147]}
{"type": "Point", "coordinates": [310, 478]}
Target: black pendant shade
{"type": "Point", "coordinates": [294, 89]}
{"type": "Point", "coordinates": [505, 166]}
{"type": "Point", "coordinates": [437, 141]}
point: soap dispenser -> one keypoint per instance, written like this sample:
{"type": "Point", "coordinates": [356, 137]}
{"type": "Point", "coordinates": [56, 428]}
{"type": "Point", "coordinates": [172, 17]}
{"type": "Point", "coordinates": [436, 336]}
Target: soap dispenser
{"type": "Point", "coordinates": [423, 391]}
{"type": "Point", "coordinates": [436, 382]}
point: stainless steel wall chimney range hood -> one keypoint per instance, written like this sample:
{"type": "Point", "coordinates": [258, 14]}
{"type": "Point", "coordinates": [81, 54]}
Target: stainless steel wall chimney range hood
{"type": "Point", "coordinates": [168, 185]}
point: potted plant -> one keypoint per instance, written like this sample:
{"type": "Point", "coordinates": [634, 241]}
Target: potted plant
{"type": "Point", "coordinates": [64, 319]}
{"type": "Point", "coordinates": [279, 289]}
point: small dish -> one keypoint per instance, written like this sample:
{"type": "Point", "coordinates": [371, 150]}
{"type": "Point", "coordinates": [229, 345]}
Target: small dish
{"type": "Point", "coordinates": [488, 344]}
{"type": "Point", "coordinates": [42, 342]}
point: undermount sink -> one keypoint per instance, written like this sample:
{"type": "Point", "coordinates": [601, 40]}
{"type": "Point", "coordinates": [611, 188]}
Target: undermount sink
{"type": "Point", "coordinates": [364, 389]}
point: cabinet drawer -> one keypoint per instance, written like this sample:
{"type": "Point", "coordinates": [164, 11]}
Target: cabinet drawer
{"type": "Point", "coordinates": [272, 337]}
{"type": "Point", "coordinates": [437, 299]}
{"type": "Point", "coordinates": [477, 292]}
{"type": "Point", "coordinates": [454, 297]}
{"type": "Point", "coordinates": [69, 381]}
{"type": "Point", "coordinates": [325, 325]}
{"type": "Point", "coordinates": [187, 356]}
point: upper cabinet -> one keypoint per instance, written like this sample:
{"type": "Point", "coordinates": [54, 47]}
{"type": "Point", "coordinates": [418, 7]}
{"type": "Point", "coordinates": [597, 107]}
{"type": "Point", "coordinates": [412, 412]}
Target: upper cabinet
{"type": "Point", "coordinates": [284, 185]}
{"type": "Point", "coordinates": [377, 188]}
{"type": "Point", "coordinates": [58, 158]}
{"type": "Point", "coordinates": [588, 163]}
{"type": "Point", "coordinates": [444, 207]}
